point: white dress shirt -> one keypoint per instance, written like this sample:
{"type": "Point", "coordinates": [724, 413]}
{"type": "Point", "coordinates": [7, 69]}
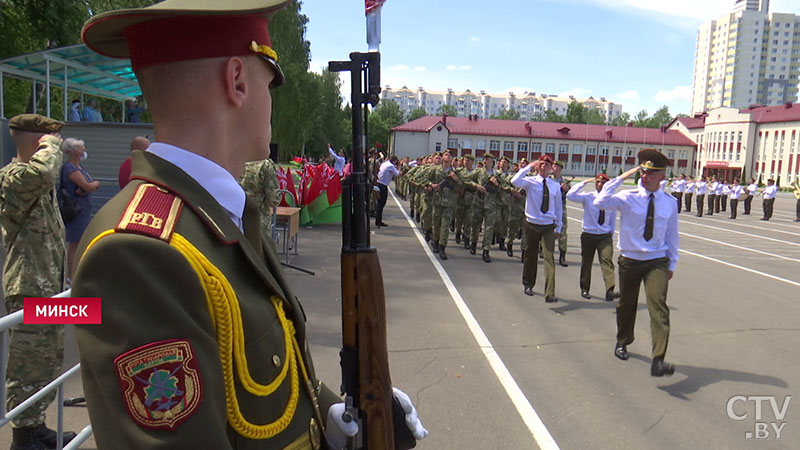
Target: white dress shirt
{"type": "Point", "coordinates": [712, 188]}
{"type": "Point", "coordinates": [770, 191]}
{"type": "Point", "coordinates": [338, 162]}
{"type": "Point", "coordinates": [689, 187]}
{"type": "Point", "coordinates": [700, 187]}
{"type": "Point", "coordinates": [752, 188]}
{"type": "Point", "coordinates": [386, 172]}
{"type": "Point", "coordinates": [591, 213]}
{"type": "Point", "coordinates": [736, 191]}
{"type": "Point", "coordinates": [726, 190]}
{"type": "Point", "coordinates": [632, 205]}
{"type": "Point", "coordinates": [533, 198]}
{"type": "Point", "coordinates": [679, 185]}
{"type": "Point", "coordinates": [211, 176]}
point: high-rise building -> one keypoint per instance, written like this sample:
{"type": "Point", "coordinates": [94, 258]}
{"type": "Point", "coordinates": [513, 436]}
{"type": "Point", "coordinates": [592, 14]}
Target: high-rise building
{"type": "Point", "coordinates": [748, 56]}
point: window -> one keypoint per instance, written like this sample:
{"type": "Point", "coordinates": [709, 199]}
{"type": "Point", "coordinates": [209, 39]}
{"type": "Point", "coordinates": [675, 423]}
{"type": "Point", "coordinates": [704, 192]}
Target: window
{"type": "Point", "coordinates": [589, 167]}
{"type": "Point", "coordinates": [591, 150]}
{"type": "Point", "coordinates": [481, 145]}
{"type": "Point", "coordinates": [537, 147]}
{"type": "Point", "coordinates": [577, 149]}
{"type": "Point", "coordinates": [494, 145]}
{"type": "Point", "coordinates": [452, 142]}
{"type": "Point", "coordinates": [631, 151]}
{"type": "Point", "coordinates": [576, 167]}
{"type": "Point", "coordinates": [508, 146]}
{"type": "Point", "coordinates": [617, 151]}
{"type": "Point", "coordinates": [550, 148]}
{"type": "Point", "coordinates": [603, 150]}
{"type": "Point", "coordinates": [438, 146]}
{"type": "Point", "coordinates": [522, 146]}
{"type": "Point", "coordinates": [671, 154]}
{"type": "Point", "coordinates": [467, 143]}
{"type": "Point", "coordinates": [563, 148]}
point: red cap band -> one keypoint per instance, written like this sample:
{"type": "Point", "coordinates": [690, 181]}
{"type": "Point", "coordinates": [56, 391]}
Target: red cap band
{"type": "Point", "coordinates": [185, 38]}
{"type": "Point", "coordinates": [546, 159]}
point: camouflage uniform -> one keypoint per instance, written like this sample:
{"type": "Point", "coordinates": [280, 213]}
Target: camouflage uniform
{"type": "Point", "coordinates": [562, 240]}
{"type": "Point", "coordinates": [503, 207]}
{"type": "Point", "coordinates": [260, 181]}
{"type": "Point", "coordinates": [33, 239]}
{"type": "Point", "coordinates": [444, 201]}
{"type": "Point", "coordinates": [516, 219]}
{"type": "Point", "coordinates": [425, 197]}
{"type": "Point", "coordinates": [484, 206]}
{"type": "Point", "coordinates": [464, 216]}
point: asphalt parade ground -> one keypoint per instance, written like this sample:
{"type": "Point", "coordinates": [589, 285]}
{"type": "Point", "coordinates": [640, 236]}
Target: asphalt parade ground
{"type": "Point", "coordinates": [491, 368]}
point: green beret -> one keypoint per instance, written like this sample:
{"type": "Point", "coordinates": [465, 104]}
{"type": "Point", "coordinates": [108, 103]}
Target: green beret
{"type": "Point", "coordinates": [35, 123]}
{"type": "Point", "coordinates": [559, 163]}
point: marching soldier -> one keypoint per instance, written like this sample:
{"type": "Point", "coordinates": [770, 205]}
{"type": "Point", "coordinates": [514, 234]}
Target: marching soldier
{"type": "Point", "coordinates": [484, 205]}
{"type": "Point", "coordinates": [465, 224]}
{"type": "Point", "coordinates": [444, 180]}
{"type": "Point", "coordinates": [648, 244]}
{"type": "Point", "coordinates": [736, 192]}
{"type": "Point", "coordinates": [700, 189]}
{"type": "Point", "coordinates": [712, 195]}
{"type": "Point", "coordinates": [503, 204]}
{"type": "Point", "coordinates": [426, 194]}
{"type": "Point", "coordinates": [35, 252]}
{"type": "Point", "coordinates": [769, 193]}
{"type": "Point", "coordinates": [678, 187]}
{"type": "Point", "coordinates": [752, 188]}
{"type": "Point", "coordinates": [516, 218]}
{"type": "Point", "coordinates": [203, 343]}
{"type": "Point", "coordinates": [687, 195]}
{"type": "Point", "coordinates": [543, 224]}
{"type": "Point", "coordinates": [558, 166]}
{"type": "Point", "coordinates": [726, 191]}
{"type": "Point", "coordinates": [598, 231]}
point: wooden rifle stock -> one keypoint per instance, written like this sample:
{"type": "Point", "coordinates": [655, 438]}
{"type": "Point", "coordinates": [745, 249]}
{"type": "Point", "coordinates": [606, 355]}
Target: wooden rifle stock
{"type": "Point", "coordinates": [364, 357]}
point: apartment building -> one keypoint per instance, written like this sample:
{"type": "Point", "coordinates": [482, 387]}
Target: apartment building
{"type": "Point", "coordinates": [483, 104]}
{"type": "Point", "coordinates": [585, 149]}
{"type": "Point", "coordinates": [748, 56]}
{"type": "Point", "coordinates": [761, 141]}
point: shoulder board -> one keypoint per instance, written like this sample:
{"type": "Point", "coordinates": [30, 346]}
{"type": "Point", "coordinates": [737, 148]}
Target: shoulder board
{"type": "Point", "coordinates": [153, 211]}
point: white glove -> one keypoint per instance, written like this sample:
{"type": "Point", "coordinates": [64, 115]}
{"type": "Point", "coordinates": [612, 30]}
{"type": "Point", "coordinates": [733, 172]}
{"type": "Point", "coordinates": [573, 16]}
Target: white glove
{"type": "Point", "coordinates": [412, 419]}
{"type": "Point", "coordinates": [337, 430]}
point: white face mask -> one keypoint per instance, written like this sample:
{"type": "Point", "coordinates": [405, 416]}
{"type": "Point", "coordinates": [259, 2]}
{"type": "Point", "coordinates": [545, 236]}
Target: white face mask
{"type": "Point", "coordinates": [85, 155]}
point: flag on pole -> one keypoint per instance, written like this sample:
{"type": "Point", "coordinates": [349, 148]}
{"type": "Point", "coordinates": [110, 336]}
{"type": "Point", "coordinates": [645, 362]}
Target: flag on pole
{"type": "Point", "coordinates": [373, 12]}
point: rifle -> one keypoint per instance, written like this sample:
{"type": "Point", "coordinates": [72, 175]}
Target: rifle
{"type": "Point", "coordinates": [364, 356]}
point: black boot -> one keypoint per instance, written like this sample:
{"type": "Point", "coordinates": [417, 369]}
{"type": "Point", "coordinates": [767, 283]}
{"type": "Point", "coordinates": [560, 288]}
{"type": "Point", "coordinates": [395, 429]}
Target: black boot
{"type": "Point", "coordinates": [466, 243]}
{"type": "Point", "coordinates": [442, 254]}
{"type": "Point", "coordinates": [435, 246]}
{"type": "Point", "coordinates": [510, 250]}
{"type": "Point", "coordinates": [49, 437]}
{"type": "Point", "coordinates": [522, 257]}
{"type": "Point", "coordinates": [472, 249]}
{"type": "Point", "coordinates": [427, 235]}
{"type": "Point", "coordinates": [25, 438]}
{"type": "Point", "coordinates": [486, 257]}
{"type": "Point", "coordinates": [502, 242]}
{"type": "Point", "coordinates": [411, 213]}
{"type": "Point", "coordinates": [418, 217]}
{"type": "Point", "coordinates": [452, 226]}
{"type": "Point", "coordinates": [458, 237]}
{"type": "Point", "coordinates": [561, 259]}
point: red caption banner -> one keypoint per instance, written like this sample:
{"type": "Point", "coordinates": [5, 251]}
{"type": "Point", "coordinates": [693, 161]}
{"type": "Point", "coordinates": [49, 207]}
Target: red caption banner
{"type": "Point", "coordinates": [68, 310]}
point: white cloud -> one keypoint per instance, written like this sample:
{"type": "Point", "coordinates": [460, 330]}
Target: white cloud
{"type": "Point", "coordinates": [677, 93]}
{"type": "Point", "coordinates": [474, 39]}
{"type": "Point", "coordinates": [577, 93]}
{"type": "Point", "coordinates": [453, 67]}
{"type": "Point", "coordinates": [398, 68]}
{"type": "Point", "coordinates": [628, 96]}
{"type": "Point", "coordinates": [420, 69]}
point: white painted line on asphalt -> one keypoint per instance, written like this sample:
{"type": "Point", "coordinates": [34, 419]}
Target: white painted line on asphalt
{"type": "Point", "coordinates": [736, 266]}
{"type": "Point", "coordinates": [773, 255]}
{"type": "Point", "coordinates": [532, 420]}
{"type": "Point", "coordinates": [693, 222]}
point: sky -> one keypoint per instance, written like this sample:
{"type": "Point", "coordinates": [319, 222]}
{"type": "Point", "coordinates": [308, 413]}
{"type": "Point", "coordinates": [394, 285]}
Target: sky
{"type": "Point", "coordinates": [639, 53]}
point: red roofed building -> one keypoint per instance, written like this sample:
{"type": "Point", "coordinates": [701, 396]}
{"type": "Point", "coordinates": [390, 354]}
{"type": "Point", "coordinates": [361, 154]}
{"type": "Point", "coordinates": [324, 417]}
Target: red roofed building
{"type": "Point", "coordinates": [761, 141]}
{"type": "Point", "coordinates": [585, 149]}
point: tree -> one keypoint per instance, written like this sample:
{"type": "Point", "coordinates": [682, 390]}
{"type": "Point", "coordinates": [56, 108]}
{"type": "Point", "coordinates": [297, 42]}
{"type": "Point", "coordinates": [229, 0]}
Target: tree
{"type": "Point", "coordinates": [660, 117]}
{"type": "Point", "coordinates": [385, 117]}
{"type": "Point", "coordinates": [640, 119]}
{"type": "Point", "coordinates": [621, 120]}
{"type": "Point", "coordinates": [576, 113]}
{"type": "Point", "coordinates": [595, 117]}
{"type": "Point", "coordinates": [552, 116]}
{"type": "Point", "coordinates": [450, 110]}
{"type": "Point", "coordinates": [744, 179]}
{"type": "Point", "coordinates": [506, 114]}
{"type": "Point", "coordinates": [416, 113]}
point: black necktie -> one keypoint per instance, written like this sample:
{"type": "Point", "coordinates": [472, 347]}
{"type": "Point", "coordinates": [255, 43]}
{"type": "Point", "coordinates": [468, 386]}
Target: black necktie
{"type": "Point", "coordinates": [648, 225]}
{"type": "Point", "coordinates": [545, 196]}
{"type": "Point", "coordinates": [602, 219]}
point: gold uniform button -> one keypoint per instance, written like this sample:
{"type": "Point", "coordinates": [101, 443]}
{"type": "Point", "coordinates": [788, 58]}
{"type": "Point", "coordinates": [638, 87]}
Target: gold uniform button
{"type": "Point", "coordinates": [276, 360]}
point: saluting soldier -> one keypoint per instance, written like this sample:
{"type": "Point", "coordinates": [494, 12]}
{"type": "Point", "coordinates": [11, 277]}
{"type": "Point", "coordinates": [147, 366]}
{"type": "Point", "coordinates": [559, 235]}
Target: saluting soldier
{"type": "Point", "coordinates": [648, 244]}
{"type": "Point", "coordinates": [259, 180]}
{"type": "Point", "coordinates": [598, 231]}
{"type": "Point", "coordinates": [35, 252]}
{"type": "Point", "coordinates": [203, 343]}
{"type": "Point", "coordinates": [543, 224]}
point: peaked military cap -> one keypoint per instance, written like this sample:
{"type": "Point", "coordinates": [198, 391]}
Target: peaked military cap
{"type": "Point", "coordinates": [469, 156]}
{"type": "Point", "coordinates": [558, 163]}
{"type": "Point", "coordinates": [35, 123]}
{"type": "Point", "coordinates": [488, 155]}
{"type": "Point", "coordinates": [652, 159]}
{"type": "Point", "coordinates": [184, 30]}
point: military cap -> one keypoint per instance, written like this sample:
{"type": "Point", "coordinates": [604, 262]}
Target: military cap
{"type": "Point", "coordinates": [488, 155]}
{"type": "Point", "coordinates": [558, 163]}
{"type": "Point", "coordinates": [546, 159]}
{"type": "Point", "coordinates": [469, 156]}
{"type": "Point", "coordinates": [184, 30]}
{"type": "Point", "coordinates": [35, 123]}
{"type": "Point", "coordinates": [652, 159]}
{"type": "Point", "coordinates": [504, 158]}
{"type": "Point", "coordinates": [602, 177]}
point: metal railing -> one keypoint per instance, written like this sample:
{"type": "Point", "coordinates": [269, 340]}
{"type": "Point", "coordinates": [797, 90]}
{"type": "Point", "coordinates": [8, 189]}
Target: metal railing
{"type": "Point", "coordinates": [14, 319]}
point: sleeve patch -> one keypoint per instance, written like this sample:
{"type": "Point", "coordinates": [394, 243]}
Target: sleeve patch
{"type": "Point", "coordinates": [152, 211]}
{"type": "Point", "coordinates": [160, 383]}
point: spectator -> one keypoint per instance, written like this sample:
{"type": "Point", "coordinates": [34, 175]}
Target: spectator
{"type": "Point", "coordinates": [33, 240]}
{"type": "Point", "coordinates": [91, 113]}
{"type": "Point", "coordinates": [76, 180]}
{"type": "Point", "coordinates": [124, 176]}
{"type": "Point", "coordinates": [133, 112]}
{"type": "Point", "coordinates": [338, 160]}
{"type": "Point", "coordinates": [74, 111]}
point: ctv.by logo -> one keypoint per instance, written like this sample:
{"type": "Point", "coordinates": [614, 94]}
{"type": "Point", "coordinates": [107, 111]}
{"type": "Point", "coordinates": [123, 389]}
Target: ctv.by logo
{"type": "Point", "coordinates": [762, 429]}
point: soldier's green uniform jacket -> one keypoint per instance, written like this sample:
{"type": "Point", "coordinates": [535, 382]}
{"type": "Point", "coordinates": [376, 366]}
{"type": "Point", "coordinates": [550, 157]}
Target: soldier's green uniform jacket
{"type": "Point", "coordinates": [480, 177]}
{"type": "Point", "coordinates": [260, 181]}
{"type": "Point", "coordinates": [163, 371]}
{"type": "Point", "coordinates": [33, 232]}
{"type": "Point", "coordinates": [448, 195]}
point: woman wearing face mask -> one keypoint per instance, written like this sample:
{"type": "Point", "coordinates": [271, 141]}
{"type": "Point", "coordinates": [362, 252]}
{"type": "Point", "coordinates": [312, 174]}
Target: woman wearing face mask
{"type": "Point", "coordinates": [77, 181]}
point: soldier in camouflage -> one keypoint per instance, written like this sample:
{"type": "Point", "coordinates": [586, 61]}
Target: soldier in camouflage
{"type": "Point", "coordinates": [516, 219]}
{"type": "Point", "coordinates": [33, 240]}
{"type": "Point", "coordinates": [426, 195]}
{"type": "Point", "coordinates": [464, 221]}
{"type": "Point", "coordinates": [444, 180]}
{"type": "Point", "coordinates": [484, 206]}
{"type": "Point", "coordinates": [259, 180]}
{"type": "Point", "coordinates": [558, 166]}
{"type": "Point", "coordinates": [503, 204]}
